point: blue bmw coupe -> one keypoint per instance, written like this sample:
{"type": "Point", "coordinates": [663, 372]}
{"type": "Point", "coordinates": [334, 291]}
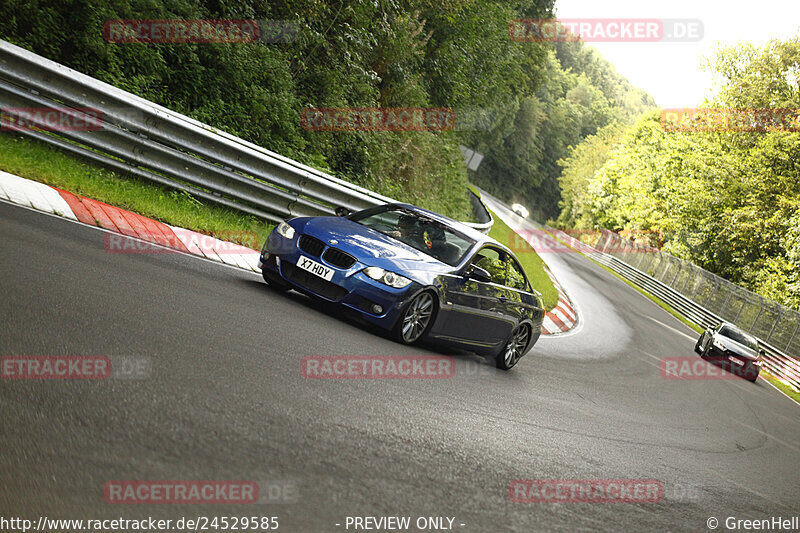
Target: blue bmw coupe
{"type": "Point", "coordinates": [413, 272]}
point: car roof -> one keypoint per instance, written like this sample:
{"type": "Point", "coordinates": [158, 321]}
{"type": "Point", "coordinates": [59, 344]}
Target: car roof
{"type": "Point", "coordinates": [736, 328]}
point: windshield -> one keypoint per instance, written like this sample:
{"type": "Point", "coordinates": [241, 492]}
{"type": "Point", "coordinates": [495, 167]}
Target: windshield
{"type": "Point", "coordinates": [739, 336]}
{"type": "Point", "coordinates": [418, 231]}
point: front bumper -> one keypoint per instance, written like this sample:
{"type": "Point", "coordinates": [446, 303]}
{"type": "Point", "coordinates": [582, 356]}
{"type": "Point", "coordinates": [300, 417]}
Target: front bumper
{"type": "Point", "coordinates": [376, 302]}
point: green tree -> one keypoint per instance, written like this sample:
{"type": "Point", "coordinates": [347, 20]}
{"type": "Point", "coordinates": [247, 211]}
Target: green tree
{"type": "Point", "coordinates": [728, 201]}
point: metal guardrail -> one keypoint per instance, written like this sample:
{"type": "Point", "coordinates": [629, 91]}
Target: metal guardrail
{"type": "Point", "coordinates": [139, 138]}
{"type": "Point", "coordinates": [613, 251]}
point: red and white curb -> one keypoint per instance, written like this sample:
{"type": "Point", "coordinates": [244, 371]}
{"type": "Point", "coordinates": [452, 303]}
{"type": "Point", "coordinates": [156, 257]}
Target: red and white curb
{"type": "Point", "coordinates": [81, 209]}
{"type": "Point", "coordinates": [562, 317]}
{"type": "Point", "coordinates": [42, 197]}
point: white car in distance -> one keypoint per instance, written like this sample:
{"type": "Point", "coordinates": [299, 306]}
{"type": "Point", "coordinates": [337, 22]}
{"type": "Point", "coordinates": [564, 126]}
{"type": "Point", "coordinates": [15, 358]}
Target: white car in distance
{"type": "Point", "coordinates": [520, 209]}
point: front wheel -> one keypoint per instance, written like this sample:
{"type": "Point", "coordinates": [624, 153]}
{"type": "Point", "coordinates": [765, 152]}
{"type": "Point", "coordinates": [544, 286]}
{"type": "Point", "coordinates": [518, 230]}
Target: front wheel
{"type": "Point", "coordinates": [416, 319]}
{"type": "Point", "coordinates": [704, 351]}
{"type": "Point", "coordinates": [274, 281]}
{"type": "Point", "coordinates": [514, 348]}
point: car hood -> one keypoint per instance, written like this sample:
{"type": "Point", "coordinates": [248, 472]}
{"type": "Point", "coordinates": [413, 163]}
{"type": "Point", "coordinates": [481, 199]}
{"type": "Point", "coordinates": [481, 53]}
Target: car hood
{"type": "Point", "coordinates": [371, 247]}
{"type": "Point", "coordinates": [735, 347]}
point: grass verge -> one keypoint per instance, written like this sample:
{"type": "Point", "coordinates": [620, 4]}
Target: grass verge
{"type": "Point", "coordinates": [530, 260]}
{"type": "Point", "coordinates": [788, 391]}
{"type": "Point", "coordinates": [35, 160]}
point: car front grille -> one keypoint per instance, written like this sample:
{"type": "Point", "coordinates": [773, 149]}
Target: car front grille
{"type": "Point", "coordinates": [311, 245]}
{"type": "Point", "coordinates": [338, 258]}
{"type": "Point", "coordinates": [315, 284]}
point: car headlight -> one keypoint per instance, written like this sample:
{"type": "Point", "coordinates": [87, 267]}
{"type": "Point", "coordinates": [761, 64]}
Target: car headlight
{"type": "Point", "coordinates": [718, 344]}
{"type": "Point", "coordinates": [285, 230]}
{"type": "Point", "coordinates": [389, 278]}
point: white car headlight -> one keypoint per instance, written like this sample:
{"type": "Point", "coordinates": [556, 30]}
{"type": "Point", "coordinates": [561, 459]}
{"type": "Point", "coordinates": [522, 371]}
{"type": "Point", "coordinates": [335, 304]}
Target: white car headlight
{"type": "Point", "coordinates": [389, 278]}
{"type": "Point", "coordinates": [285, 230]}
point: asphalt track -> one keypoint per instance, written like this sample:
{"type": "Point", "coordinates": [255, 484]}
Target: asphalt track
{"type": "Point", "coordinates": [225, 400]}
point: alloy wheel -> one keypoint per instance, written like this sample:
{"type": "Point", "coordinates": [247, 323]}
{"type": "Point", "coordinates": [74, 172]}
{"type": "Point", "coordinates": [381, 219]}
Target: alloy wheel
{"type": "Point", "coordinates": [417, 317]}
{"type": "Point", "coordinates": [514, 349]}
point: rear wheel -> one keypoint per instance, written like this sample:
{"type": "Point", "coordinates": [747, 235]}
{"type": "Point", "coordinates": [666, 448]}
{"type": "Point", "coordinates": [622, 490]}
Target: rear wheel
{"type": "Point", "coordinates": [751, 374]}
{"type": "Point", "coordinates": [416, 319]}
{"type": "Point", "coordinates": [514, 348]}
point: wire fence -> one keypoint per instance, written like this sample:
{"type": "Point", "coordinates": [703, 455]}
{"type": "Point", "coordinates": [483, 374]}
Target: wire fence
{"type": "Point", "coordinates": [770, 321]}
{"type": "Point", "coordinates": [699, 295]}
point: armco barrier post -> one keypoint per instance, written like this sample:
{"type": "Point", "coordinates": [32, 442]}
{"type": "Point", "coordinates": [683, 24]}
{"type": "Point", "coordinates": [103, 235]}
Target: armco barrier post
{"type": "Point", "coordinates": [761, 310]}
{"type": "Point", "coordinates": [646, 267]}
{"type": "Point", "coordinates": [677, 273]}
{"type": "Point", "coordinates": [725, 303]}
{"type": "Point", "coordinates": [712, 292]}
{"type": "Point", "coordinates": [775, 324]}
{"type": "Point", "coordinates": [791, 339]}
{"type": "Point", "coordinates": [745, 301]}
{"type": "Point", "coordinates": [689, 276]}
{"type": "Point", "coordinates": [667, 264]}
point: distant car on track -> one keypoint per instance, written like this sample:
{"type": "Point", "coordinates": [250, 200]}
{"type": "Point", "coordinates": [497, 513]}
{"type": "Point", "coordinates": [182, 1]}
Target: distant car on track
{"type": "Point", "coordinates": [413, 272]}
{"type": "Point", "coordinates": [520, 209]}
{"type": "Point", "coordinates": [731, 348]}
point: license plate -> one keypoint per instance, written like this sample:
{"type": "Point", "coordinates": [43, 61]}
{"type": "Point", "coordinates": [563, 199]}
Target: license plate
{"type": "Point", "coordinates": [315, 268]}
{"type": "Point", "coordinates": [734, 360]}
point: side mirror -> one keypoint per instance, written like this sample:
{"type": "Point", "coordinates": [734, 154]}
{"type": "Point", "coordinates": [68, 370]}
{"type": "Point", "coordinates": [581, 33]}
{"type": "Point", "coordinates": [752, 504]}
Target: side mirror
{"type": "Point", "coordinates": [479, 274]}
{"type": "Point", "coordinates": [342, 211]}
